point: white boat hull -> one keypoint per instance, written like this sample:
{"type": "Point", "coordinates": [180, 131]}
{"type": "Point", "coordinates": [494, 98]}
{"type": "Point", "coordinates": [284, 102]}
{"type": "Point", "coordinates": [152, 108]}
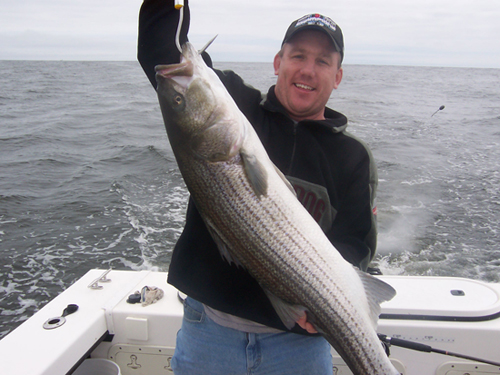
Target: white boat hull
{"type": "Point", "coordinates": [453, 314]}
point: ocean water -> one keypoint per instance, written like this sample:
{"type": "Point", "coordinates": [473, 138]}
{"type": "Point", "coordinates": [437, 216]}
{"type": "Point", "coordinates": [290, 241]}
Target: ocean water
{"type": "Point", "coordinates": [88, 179]}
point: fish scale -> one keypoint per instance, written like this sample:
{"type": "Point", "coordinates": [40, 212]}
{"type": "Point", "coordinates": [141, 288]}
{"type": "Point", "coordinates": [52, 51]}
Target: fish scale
{"type": "Point", "coordinates": [226, 190]}
{"type": "Point", "coordinates": [248, 210]}
{"type": "Point", "coordinates": [257, 222]}
{"type": "Point", "coordinates": [238, 192]}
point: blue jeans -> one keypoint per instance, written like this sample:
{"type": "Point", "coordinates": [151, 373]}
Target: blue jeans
{"type": "Point", "coordinates": [206, 348]}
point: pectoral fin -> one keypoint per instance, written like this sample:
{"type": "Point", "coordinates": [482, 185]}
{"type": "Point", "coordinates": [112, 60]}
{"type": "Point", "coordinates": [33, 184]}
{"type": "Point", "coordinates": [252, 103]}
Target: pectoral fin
{"type": "Point", "coordinates": [256, 173]}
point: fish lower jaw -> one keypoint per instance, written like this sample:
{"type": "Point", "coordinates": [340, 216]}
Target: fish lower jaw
{"type": "Point", "coordinates": [183, 69]}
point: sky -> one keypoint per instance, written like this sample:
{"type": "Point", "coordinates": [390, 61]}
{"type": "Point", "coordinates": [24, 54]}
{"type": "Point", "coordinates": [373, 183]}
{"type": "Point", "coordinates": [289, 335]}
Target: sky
{"type": "Point", "coordinates": [450, 33]}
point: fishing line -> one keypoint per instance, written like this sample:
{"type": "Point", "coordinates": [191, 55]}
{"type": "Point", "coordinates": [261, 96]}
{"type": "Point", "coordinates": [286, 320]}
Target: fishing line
{"type": "Point", "coordinates": [428, 349]}
{"type": "Point", "coordinates": [179, 5]}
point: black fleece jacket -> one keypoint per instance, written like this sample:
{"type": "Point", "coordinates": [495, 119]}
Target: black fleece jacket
{"type": "Point", "coordinates": [332, 171]}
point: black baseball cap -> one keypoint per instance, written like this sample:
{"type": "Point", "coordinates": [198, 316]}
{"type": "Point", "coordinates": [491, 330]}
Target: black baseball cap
{"type": "Point", "coordinates": [319, 22]}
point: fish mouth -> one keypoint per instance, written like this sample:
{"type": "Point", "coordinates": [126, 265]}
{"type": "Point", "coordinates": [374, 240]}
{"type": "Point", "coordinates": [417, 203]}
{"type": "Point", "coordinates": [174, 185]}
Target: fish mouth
{"type": "Point", "coordinates": [180, 73]}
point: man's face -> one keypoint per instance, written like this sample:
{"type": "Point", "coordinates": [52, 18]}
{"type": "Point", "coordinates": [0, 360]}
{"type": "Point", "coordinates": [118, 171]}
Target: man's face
{"type": "Point", "coordinates": [307, 71]}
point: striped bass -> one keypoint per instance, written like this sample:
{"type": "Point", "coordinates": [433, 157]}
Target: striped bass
{"type": "Point", "coordinates": [257, 222]}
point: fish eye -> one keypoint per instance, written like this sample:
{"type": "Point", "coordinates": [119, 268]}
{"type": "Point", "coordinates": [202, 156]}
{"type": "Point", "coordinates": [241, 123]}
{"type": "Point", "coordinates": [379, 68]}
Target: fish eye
{"type": "Point", "coordinates": [178, 99]}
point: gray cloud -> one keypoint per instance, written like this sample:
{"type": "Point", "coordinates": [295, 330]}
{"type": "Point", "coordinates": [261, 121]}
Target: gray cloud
{"type": "Point", "coordinates": [402, 32]}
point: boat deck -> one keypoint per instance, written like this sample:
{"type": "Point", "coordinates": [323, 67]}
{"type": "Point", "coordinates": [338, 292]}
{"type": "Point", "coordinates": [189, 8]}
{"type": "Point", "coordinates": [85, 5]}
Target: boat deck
{"type": "Point", "coordinates": [452, 314]}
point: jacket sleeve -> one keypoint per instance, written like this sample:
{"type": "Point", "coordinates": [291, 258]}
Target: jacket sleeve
{"type": "Point", "coordinates": [246, 97]}
{"type": "Point", "coordinates": [354, 230]}
{"type": "Point", "coordinates": [158, 22]}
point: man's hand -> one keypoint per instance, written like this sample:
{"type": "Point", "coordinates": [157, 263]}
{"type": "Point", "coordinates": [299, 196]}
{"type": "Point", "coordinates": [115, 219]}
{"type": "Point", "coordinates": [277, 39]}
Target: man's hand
{"type": "Point", "coordinates": [306, 325]}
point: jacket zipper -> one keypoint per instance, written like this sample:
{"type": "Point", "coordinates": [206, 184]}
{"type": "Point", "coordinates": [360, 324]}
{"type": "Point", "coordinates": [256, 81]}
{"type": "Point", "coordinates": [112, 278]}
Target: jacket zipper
{"type": "Point", "coordinates": [295, 126]}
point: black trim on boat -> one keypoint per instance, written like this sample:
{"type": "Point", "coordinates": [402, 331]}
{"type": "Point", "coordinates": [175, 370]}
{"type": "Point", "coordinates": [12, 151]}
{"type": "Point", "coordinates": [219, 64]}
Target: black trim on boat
{"type": "Point", "coordinates": [107, 337]}
{"type": "Point", "coordinates": [440, 318]}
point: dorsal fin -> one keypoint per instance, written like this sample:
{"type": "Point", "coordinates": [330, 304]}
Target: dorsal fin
{"type": "Point", "coordinates": [285, 180]}
{"type": "Point", "coordinates": [377, 291]}
{"type": "Point", "coordinates": [207, 45]}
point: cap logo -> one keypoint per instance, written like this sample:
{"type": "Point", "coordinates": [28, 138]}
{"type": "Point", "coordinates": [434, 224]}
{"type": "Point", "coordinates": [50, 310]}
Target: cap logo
{"type": "Point", "coordinates": [316, 19]}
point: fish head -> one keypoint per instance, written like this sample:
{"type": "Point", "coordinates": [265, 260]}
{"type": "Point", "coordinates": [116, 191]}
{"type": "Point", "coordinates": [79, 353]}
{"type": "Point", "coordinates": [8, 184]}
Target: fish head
{"type": "Point", "coordinates": [199, 114]}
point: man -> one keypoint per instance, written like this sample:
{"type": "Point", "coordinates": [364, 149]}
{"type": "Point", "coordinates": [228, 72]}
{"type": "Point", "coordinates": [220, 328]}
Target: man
{"type": "Point", "coordinates": [229, 326]}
